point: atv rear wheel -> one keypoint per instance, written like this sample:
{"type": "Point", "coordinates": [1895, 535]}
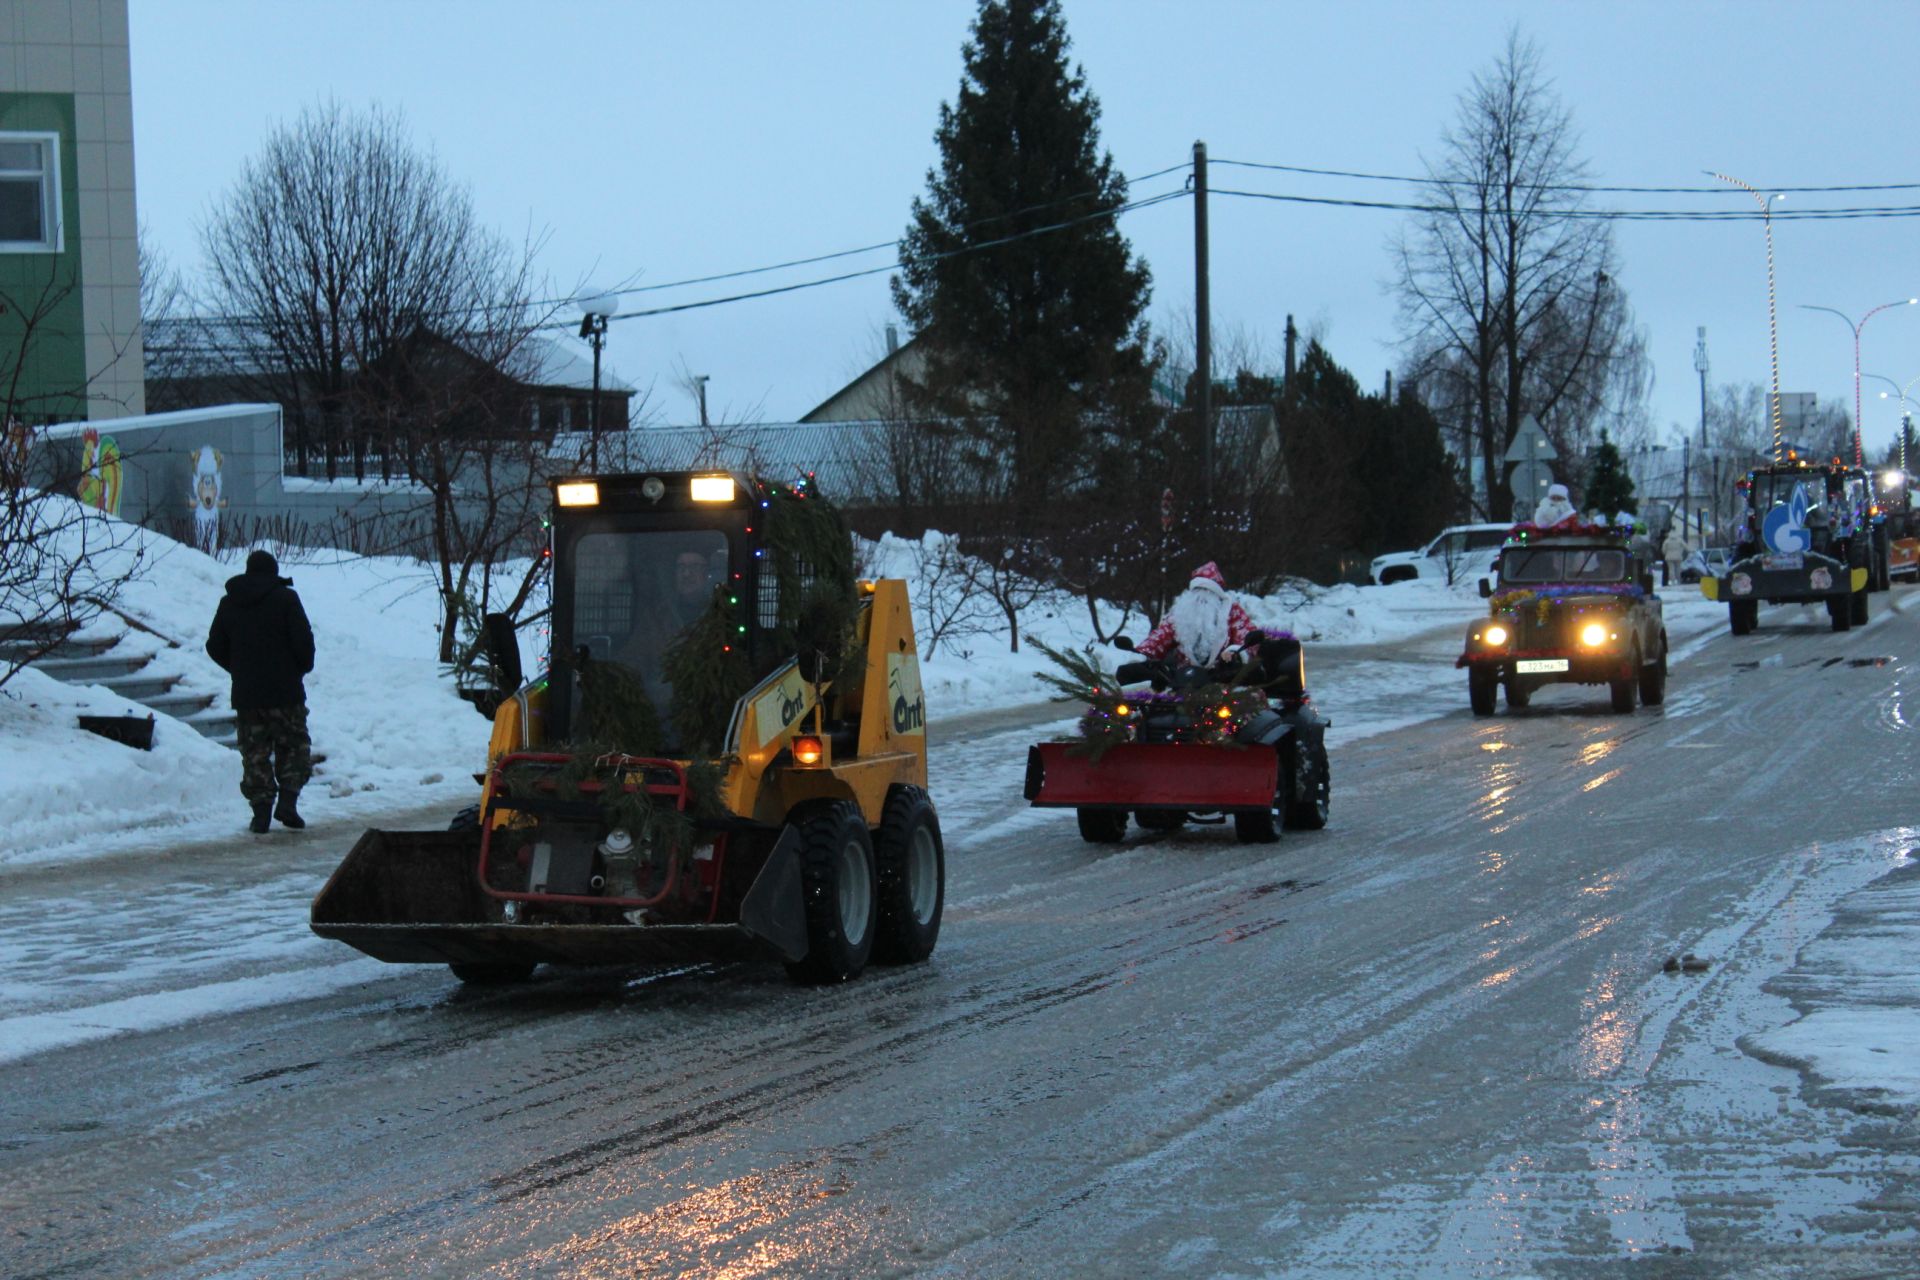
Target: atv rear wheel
{"type": "Point", "coordinates": [910, 867]}
{"type": "Point", "coordinates": [1481, 685]}
{"type": "Point", "coordinates": [837, 881]}
{"type": "Point", "coordinates": [1311, 789]}
{"type": "Point", "coordinates": [1102, 826]}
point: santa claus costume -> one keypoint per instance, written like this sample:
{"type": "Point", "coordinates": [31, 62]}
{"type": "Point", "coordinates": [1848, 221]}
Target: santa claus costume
{"type": "Point", "coordinates": [1202, 622]}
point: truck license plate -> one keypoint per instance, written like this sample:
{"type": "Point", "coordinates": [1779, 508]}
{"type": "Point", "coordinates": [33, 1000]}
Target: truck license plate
{"type": "Point", "coordinates": [1785, 560]}
{"type": "Point", "coordinates": [1532, 666]}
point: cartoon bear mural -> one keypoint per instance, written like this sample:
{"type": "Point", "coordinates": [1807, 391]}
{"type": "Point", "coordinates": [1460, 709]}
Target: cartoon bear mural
{"type": "Point", "coordinates": [205, 498]}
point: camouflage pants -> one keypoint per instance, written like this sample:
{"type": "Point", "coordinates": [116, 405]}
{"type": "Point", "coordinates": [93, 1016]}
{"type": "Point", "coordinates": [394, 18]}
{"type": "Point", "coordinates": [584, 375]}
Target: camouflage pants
{"type": "Point", "coordinates": [275, 752]}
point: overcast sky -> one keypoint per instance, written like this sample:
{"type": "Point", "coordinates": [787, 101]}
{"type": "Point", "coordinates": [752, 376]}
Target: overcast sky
{"type": "Point", "coordinates": [653, 142]}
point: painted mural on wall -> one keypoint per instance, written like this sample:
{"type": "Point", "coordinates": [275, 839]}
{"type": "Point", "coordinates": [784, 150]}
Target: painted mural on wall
{"type": "Point", "coordinates": [206, 499]}
{"type": "Point", "coordinates": [100, 478]}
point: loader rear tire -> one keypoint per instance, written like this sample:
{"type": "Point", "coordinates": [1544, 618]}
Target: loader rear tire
{"type": "Point", "coordinates": [468, 819]}
{"type": "Point", "coordinates": [837, 882]}
{"type": "Point", "coordinates": [910, 869]}
{"type": "Point", "coordinates": [491, 975]}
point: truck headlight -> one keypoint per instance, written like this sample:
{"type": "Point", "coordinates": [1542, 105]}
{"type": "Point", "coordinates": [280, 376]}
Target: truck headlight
{"type": "Point", "coordinates": [1495, 635]}
{"type": "Point", "coordinates": [1593, 635]}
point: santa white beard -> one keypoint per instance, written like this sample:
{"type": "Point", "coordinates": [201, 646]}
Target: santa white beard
{"type": "Point", "coordinates": [1199, 616]}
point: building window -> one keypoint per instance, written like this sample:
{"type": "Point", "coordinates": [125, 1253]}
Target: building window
{"type": "Point", "coordinates": [30, 193]}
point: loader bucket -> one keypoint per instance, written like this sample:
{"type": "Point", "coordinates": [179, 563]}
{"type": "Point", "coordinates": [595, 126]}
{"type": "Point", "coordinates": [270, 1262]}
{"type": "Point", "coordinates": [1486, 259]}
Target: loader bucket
{"type": "Point", "coordinates": [1145, 775]}
{"type": "Point", "coordinates": [412, 897]}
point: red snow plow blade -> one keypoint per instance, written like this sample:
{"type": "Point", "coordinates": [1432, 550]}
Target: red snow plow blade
{"type": "Point", "coordinates": [1142, 775]}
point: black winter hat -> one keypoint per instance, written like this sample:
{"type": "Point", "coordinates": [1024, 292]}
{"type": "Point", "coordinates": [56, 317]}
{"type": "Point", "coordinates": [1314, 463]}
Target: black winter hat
{"type": "Point", "coordinates": [262, 562]}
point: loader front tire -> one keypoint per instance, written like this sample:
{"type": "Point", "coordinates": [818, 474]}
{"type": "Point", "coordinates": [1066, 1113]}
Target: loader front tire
{"type": "Point", "coordinates": [910, 869]}
{"type": "Point", "coordinates": [837, 883]}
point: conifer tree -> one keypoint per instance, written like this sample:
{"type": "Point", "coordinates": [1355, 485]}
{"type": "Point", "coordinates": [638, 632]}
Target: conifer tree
{"type": "Point", "coordinates": [1024, 297]}
{"type": "Point", "coordinates": [1609, 487]}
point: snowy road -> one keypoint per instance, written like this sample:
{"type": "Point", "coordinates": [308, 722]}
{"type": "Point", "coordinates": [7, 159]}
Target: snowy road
{"type": "Point", "coordinates": [1435, 1039]}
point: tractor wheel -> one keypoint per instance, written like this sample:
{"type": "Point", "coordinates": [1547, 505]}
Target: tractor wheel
{"type": "Point", "coordinates": [1102, 826]}
{"type": "Point", "coordinates": [1653, 679]}
{"type": "Point", "coordinates": [1840, 610]}
{"type": "Point", "coordinates": [1624, 690]}
{"type": "Point", "coordinates": [1480, 690]}
{"type": "Point", "coordinates": [1160, 819]}
{"type": "Point", "coordinates": [1311, 790]}
{"type": "Point", "coordinates": [910, 867]}
{"type": "Point", "coordinates": [1743, 616]}
{"type": "Point", "coordinates": [1859, 608]}
{"type": "Point", "coordinates": [1518, 695]}
{"type": "Point", "coordinates": [475, 974]}
{"type": "Point", "coordinates": [837, 880]}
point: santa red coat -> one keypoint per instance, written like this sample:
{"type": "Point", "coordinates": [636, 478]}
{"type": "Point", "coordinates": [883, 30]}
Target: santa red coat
{"type": "Point", "coordinates": [1202, 622]}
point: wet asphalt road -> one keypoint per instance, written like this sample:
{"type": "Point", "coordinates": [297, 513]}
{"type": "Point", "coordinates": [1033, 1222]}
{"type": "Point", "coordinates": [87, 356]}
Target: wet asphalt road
{"type": "Point", "coordinates": [1435, 1039]}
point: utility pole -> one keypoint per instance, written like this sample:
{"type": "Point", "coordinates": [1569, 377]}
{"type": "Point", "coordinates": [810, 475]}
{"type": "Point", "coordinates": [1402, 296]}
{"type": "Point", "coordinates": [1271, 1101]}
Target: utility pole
{"type": "Point", "coordinates": [1700, 366]}
{"type": "Point", "coordinates": [1203, 336]}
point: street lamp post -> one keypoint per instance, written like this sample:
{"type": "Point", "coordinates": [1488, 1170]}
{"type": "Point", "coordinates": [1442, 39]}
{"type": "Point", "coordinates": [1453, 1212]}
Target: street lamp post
{"type": "Point", "coordinates": [1773, 321]}
{"type": "Point", "coordinates": [1858, 453]}
{"type": "Point", "coordinates": [1906, 418]}
{"type": "Point", "coordinates": [700, 381]}
{"type": "Point", "coordinates": [595, 310]}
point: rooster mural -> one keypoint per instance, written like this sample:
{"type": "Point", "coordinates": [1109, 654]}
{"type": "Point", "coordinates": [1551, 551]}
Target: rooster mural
{"type": "Point", "coordinates": [99, 484]}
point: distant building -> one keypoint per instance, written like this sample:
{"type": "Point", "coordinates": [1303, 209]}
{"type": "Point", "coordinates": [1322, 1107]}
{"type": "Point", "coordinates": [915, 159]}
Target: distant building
{"type": "Point", "coordinates": [69, 245]}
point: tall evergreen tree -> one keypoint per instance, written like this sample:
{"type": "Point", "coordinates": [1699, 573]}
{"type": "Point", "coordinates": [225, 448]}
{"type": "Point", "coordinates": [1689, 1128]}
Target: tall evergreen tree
{"type": "Point", "coordinates": [1609, 487]}
{"type": "Point", "coordinates": [1024, 297]}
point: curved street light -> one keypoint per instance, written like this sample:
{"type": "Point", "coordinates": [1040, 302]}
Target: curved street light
{"type": "Point", "coordinates": [1904, 418]}
{"type": "Point", "coordinates": [1858, 454]}
{"type": "Point", "coordinates": [1773, 322]}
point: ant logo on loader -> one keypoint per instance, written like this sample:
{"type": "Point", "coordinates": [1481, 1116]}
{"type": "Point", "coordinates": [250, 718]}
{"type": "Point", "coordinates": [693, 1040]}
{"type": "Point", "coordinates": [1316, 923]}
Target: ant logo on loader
{"type": "Point", "coordinates": [790, 708]}
{"type": "Point", "coordinates": [909, 702]}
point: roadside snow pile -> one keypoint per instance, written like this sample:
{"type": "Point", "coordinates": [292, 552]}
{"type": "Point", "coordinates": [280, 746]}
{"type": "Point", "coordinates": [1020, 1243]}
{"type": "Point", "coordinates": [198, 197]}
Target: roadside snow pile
{"type": "Point", "coordinates": [1859, 998]}
{"type": "Point", "coordinates": [393, 733]}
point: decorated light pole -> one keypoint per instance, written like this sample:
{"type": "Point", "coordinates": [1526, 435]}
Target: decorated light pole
{"type": "Point", "coordinates": [1859, 454]}
{"type": "Point", "coordinates": [1905, 417]}
{"type": "Point", "coordinates": [1773, 322]}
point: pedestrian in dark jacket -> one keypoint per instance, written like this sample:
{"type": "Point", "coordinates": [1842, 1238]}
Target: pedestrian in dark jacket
{"type": "Point", "coordinates": [261, 637]}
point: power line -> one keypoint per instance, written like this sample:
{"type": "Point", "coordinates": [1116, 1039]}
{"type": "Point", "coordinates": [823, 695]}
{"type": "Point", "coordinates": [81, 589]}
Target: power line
{"type": "Point", "coordinates": [1554, 186]}
{"type": "Point", "coordinates": [1602, 215]}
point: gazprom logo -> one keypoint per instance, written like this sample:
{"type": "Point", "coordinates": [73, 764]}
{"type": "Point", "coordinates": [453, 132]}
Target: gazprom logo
{"type": "Point", "coordinates": [1784, 528]}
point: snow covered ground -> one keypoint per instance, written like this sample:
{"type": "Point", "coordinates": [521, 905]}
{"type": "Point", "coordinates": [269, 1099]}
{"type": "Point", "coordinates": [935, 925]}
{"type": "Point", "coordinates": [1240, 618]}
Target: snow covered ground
{"type": "Point", "coordinates": [397, 740]}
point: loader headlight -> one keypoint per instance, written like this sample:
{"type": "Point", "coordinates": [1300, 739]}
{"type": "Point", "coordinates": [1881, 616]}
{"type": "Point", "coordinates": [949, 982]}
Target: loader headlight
{"type": "Point", "coordinates": [713, 488]}
{"type": "Point", "coordinates": [578, 493]}
{"type": "Point", "coordinates": [1495, 635]}
{"type": "Point", "coordinates": [1594, 635]}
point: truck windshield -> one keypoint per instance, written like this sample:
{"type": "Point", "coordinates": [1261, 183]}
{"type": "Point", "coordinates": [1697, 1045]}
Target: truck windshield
{"type": "Point", "coordinates": [637, 592]}
{"type": "Point", "coordinates": [1563, 564]}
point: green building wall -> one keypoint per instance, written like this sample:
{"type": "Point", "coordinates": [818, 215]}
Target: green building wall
{"type": "Point", "coordinates": [43, 372]}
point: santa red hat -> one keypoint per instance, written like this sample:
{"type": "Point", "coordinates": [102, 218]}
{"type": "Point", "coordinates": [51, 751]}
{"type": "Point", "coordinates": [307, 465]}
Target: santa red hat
{"type": "Point", "coordinates": [1209, 572]}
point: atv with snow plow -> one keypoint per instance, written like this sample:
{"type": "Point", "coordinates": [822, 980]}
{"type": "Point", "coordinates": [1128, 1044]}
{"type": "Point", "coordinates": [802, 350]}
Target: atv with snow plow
{"type": "Point", "coordinates": [726, 758]}
{"type": "Point", "coordinates": [1240, 740]}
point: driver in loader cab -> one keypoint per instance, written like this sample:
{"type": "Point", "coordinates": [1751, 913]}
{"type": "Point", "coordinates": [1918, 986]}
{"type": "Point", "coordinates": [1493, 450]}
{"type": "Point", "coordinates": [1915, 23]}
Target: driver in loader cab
{"type": "Point", "coordinates": [1202, 623]}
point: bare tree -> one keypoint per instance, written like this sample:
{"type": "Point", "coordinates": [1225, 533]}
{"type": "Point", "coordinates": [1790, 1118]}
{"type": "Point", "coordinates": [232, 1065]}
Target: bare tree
{"type": "Point", "coordinates": [62, 559]}
{"type": "Point", "coordinates": [1509, 303]}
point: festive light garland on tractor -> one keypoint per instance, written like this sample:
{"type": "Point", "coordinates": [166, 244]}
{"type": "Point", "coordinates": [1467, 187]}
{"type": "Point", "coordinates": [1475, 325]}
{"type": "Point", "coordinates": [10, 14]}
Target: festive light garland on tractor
{"type": "Point", "coordinates": [1210, 715]}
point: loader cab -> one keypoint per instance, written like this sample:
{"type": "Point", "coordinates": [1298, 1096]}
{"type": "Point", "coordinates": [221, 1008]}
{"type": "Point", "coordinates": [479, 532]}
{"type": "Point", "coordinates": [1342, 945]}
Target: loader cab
{"type": "Point", "coordinates": [638, 562]}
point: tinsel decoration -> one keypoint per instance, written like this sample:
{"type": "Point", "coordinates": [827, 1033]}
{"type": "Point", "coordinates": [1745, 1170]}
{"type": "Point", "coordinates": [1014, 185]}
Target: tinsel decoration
{"type": "Point", "coordinates": [1543, 599]}
{"type": "Point", "coordinates": [1211, 714]}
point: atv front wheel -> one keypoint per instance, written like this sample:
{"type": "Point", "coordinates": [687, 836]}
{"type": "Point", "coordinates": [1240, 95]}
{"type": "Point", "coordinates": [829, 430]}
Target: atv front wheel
{"type": "Point", "coordinates": [1102, 826]}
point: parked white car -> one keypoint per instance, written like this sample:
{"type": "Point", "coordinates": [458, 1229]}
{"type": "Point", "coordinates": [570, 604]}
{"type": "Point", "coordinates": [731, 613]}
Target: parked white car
{"type": "Point", "coordinates": [1461, 553]}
